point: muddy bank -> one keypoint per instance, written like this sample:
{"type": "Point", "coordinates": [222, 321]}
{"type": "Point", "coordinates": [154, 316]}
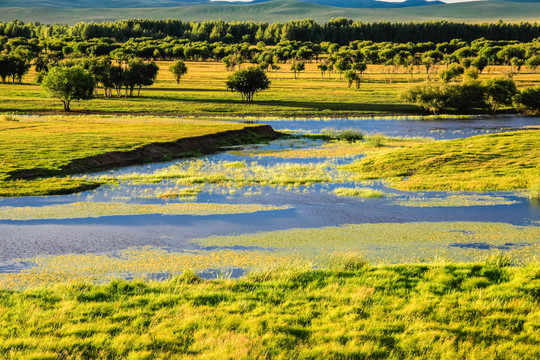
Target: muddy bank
{"type": "Point", "coordinates": [193, 146]}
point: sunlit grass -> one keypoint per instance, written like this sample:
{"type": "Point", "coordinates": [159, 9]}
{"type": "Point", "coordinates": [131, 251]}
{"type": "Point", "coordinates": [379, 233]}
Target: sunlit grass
{"type": "Point", "coordinates": [337, 149]}
{"type": "Point", "coordinates": [494, 162]}
{"type": "Point", "coordinates": [346, 309]}
{"type": "Point", "coordinates": [399, 243]}
{"type": "Point", "coordinates": [360, 192]}
{"type": "Point", "coordinates": [98, 209]}
{"type": "Point", "coordinates": [43, 146]}
{"type": "Point", "coordinates": [237, 173]}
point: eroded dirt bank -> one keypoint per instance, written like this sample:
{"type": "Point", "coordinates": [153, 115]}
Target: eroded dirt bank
{"type": "Point", "coordinates": [198, 145]}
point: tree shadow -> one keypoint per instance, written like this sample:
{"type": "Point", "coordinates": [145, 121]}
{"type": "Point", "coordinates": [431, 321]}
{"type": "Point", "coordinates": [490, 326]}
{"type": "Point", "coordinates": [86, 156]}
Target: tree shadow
{"type": "Point", "coordinates": [313, 106]}
{"type": "Point", "coordinates": [182, 89]}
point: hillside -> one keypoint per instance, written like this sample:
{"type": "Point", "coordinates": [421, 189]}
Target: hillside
{"type": "Point", "coordinates": [278, 11]}
{"type": "Point", "coordinates": [93, 4]}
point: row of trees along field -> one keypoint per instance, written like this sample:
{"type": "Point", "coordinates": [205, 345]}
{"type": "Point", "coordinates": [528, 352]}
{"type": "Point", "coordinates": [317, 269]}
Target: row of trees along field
{"type": "Point", "coordinates": [16, 54]}
{"type": "Point", "coordinates": [340, 30]}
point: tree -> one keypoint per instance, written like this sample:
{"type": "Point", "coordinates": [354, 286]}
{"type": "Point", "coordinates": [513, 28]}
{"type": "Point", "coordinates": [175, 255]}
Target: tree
{"type": "Point", "coordinates": [178, 69]}
{"type": "Point", "coordinates": [533, 62]}
{"type": "Point", "coordinates": [297, 67]}
{"type": "Point", "coordinates": [499, 92]}
{"type": "Point", "coordinates": [452, 72]}
{"type": "Point", "coordinates": [352, 76]}
{"type": "Point", "coordinates": [342, 65]}
{"type": "Point", "coordinates": [248, 82]}
{"type": "Point", "coordinates": [529, 100]}
{"type": "Point", "coordinates": [69, 83]}
{"type": "Point", "coordinates": [480, 63]}
{"type": "Point", "coordinates": [323, 68]}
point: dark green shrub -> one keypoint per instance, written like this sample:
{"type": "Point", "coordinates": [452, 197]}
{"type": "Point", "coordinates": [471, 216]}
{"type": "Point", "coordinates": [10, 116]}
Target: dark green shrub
{"type": "Point", "coordinates": [499, 92]}
{"type": "Point", "coordinates": [529, 100]}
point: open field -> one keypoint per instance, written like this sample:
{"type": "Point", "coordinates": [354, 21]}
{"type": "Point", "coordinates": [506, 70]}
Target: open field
{"type": "Point", "coordinates": [202, 92]}
{"type": "Point", "coordinates": [310, 247]}
{"type": "Point", "coordinates": [482, 163]}
{"type": "Point", "coordinates": [347, 310]}
{"type": "Point", "coordinates": [46, 146]}
{"type": "Point", "coordinates": [279, 11]}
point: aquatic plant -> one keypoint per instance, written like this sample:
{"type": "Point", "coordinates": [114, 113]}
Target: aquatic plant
{"type": "Point", "coordinates": [99, 209]}
{"type": "Point", "coordinates": [360, 192]}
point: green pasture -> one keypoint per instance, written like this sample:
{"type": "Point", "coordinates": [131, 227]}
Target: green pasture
{"type": "Point", "coordinates": [45, 145]}
{"type": "Point", "coordinates": [202, 92]}
{"type": "Point", "coordinates": [494, 162]}
{"type": "Point", "coordinates": [346, 310]}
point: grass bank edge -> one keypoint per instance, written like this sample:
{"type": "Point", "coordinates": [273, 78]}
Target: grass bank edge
{"type": "Point", "coordinates": [55, 180]}
{"type": "Point", "coordinates": [490, 162]}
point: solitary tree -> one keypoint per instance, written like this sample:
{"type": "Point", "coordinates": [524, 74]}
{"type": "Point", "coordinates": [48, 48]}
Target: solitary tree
{"type": "Point", "coordinates": [69, 83]}
{"type": "Point", "coordinates": [323, 68]}
{"type": "Point", "coordinates": [178, 69]}
{"type": "Point", "coordinates": [297, 67]}
{"type": "Point", "coordinates": [352, 76]}
{"type": "Point", "coordinates": [248, 82]}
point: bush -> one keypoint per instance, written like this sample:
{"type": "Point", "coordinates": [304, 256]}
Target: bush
{"type": "Point", "coordinates": [350, 135]}
{"type": "Point", "coordinates": [499, 92]}
{"type": "Point", "coordinates": [529, 100]}
{"type": "Point", "coordinates": [430, 96]}
{"type": "Point", "coordinates": [492, 94]}
{"type": "Point", "coordinates": [453, 71]}
{"type": "Point", "coordinates": [465, 97]}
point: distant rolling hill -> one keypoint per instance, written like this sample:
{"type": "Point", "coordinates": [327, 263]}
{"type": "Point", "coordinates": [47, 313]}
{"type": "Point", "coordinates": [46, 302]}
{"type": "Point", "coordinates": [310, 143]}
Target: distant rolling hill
{"type": "Point", "coordinates": [92, 4]}
{"type": "Point", "coordinates": [279, 11]}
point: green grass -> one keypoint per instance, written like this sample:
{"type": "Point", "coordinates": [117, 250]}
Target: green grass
{"type": "Point", "coordinates": [360, 192]}
{"type": "Point", "coordinates": [505, 161]}
{"type": "Point", "coordinates": [44, 146]}
{"type": "Point", "coordinates": [279, 11]}
{"type": "Point", "coordinates": [398, 243]}
{"type": "Point", "coordinates": [81, 210]}
{"type": "Point", "coordinates": [202, 92]}
{"type": "Point", "coordinates": [346, 310]}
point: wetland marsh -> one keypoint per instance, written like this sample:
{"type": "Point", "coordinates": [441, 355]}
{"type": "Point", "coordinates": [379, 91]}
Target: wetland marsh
{"type": "Point", "coordinates": [211, 212]}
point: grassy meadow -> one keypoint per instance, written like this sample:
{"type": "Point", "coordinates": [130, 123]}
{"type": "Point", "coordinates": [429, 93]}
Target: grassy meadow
{"type": "Point", "coordinates": [45, 145]}
{"type": "Point", "coordinates": [347, 310]}
{"type": "Point", "coordinates": [494, 162]}
{"type": "Point", "coordinates": [202, 92]}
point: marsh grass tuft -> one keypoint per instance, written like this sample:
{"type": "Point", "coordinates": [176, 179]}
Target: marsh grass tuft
{"type": "Point", "coordinates": [349, 135]}
{"type": "Point", "coordinates": [8, 117]}
{"type": "Point", "coordinates": [360, 192]}
{"type": "Point", "coordinates": [376, 140]}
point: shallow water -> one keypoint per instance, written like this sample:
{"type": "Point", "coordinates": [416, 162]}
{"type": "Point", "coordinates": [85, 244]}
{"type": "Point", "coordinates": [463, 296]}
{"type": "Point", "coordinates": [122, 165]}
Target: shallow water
{"type": "Point", "coordinates": [412, 127]}
{"type": "Point", "coordinates": [313, 206]}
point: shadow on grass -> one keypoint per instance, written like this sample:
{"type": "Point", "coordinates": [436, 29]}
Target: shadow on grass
{"type": "Point", "coordinates": [182, 89]}
{"type": "Point", "coordinates": [314, 106]}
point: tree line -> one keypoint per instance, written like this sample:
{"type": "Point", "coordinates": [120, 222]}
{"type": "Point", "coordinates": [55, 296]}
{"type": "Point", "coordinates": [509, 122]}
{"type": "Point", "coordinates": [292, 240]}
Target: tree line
{"type": "Point", "coordinates": [339, 30]}
{"type": "Point", "coordinates": [17, 53]}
